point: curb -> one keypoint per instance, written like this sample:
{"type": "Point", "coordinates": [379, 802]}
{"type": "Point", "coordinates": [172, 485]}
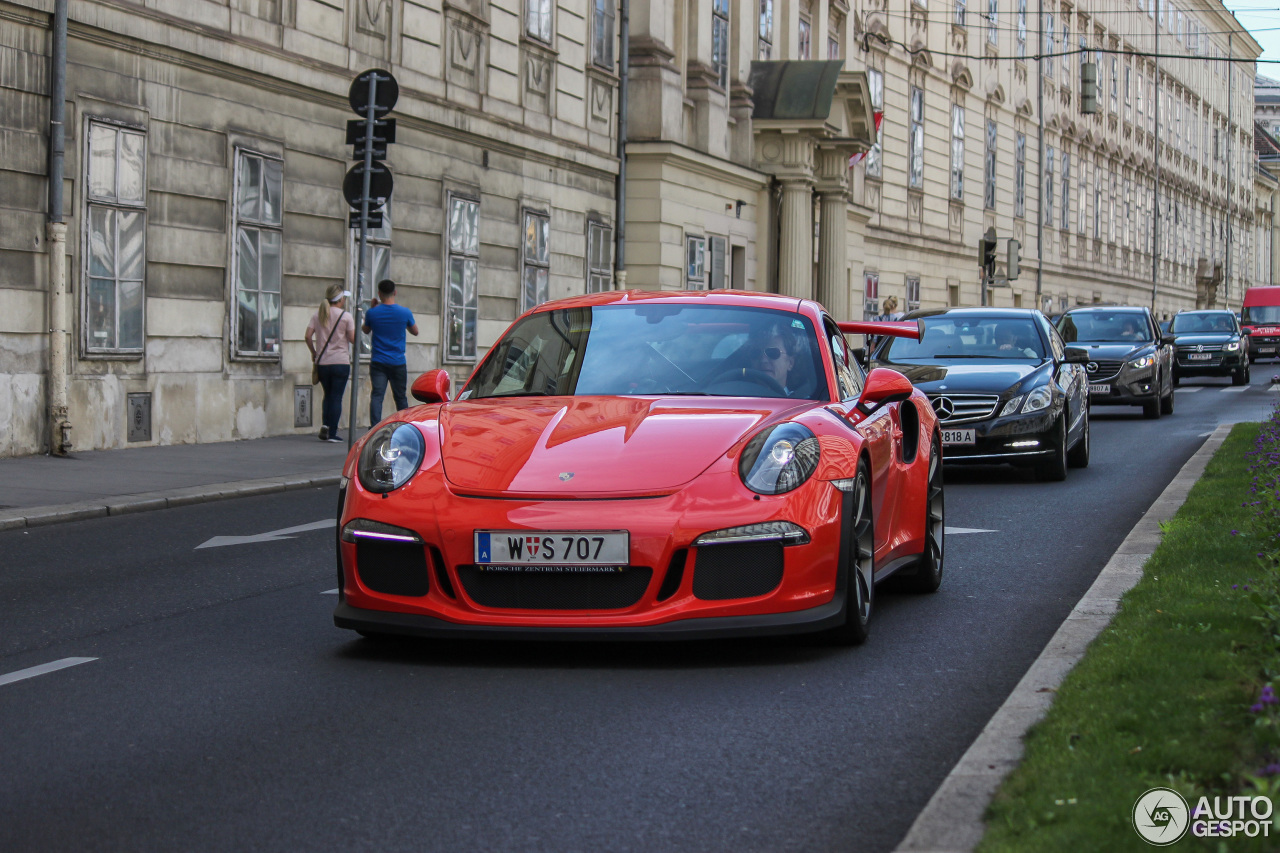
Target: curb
{"type": "Point", "coordinates": [37, 516]}
{"type": "Point", "coordinates": [952, 821]}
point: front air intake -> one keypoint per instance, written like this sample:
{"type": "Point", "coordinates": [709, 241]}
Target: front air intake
{"type": "Point", "coordinates": [744, 570]}
{"type": "Point", "coordinates": [393, 568]}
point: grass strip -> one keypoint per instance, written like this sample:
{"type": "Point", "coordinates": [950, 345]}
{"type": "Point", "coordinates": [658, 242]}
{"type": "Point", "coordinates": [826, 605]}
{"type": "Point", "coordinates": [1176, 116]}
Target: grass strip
{"type": "Point", "coordinates": [1162, 697]}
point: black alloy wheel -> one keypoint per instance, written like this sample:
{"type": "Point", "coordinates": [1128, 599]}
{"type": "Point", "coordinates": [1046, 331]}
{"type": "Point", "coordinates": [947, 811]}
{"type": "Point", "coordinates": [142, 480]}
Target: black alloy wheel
{"type": "Point", "coordinates": [927, 576]}
{"type": "Point", "coordinates": [1055, 469]}
{"type": "Point", "coordinates": [1177, 380]}
{"type": "Point", "coordinates": [1241, 376]}
{"type": "Point", "coordinates": [1078, 456]}
{"type": "Point", "coordinates": [1166, 402]}
{"type": "Point", "coordinates": [860, 562]}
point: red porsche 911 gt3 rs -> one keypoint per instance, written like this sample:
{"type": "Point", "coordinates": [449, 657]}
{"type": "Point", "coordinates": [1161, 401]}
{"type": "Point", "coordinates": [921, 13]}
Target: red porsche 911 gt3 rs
{"type": "Point", "coordinates": [646, 465]}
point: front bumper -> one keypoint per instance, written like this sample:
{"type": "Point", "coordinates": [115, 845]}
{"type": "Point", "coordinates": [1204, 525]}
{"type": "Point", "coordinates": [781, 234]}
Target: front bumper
{"type": "Point", "coordinates": [1264, 347]}
{"type": "Point", "coordinates": [1017, 439]}
{"type": "Point", "coordinates": [1221, 364]}
{"type": "Point", "coordinates": [1129, 387]}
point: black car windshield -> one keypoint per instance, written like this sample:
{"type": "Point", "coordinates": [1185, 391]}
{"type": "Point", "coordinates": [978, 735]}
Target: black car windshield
{"type": "Point", "coordinates": [1260, 315]}
{"type": "Point", "coordinates": [1204, 322]}
{"type": "Point", "coordinates": [1104, 327]}
{"type": "Point", "coordinates": [954, 336]}
{"type": "Point", "coordinates": [655, 349]}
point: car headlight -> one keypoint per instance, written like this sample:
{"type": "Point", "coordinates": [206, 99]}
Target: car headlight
{"type": "Point", "coordinates": [1038, 399]}
{"type": "Point", "coordinates": [1145, 361]}
{"type": "Point", "coordinates": [1011, 407]}
{"type": "Point", "coordinates": [390, 457]}
{"type": "Point", "coordinates": [779, 459]}
{"type": "Point", "coordinates": [1233, 346]}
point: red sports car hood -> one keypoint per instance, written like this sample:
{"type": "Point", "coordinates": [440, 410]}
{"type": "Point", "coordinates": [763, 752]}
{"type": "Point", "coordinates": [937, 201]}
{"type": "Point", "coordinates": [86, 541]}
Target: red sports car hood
{"type": "Point", "coordinates": [572, 447]}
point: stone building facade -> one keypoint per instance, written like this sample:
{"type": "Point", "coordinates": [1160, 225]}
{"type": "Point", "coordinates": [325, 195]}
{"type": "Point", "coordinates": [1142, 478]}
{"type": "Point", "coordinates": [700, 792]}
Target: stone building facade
{"type": "Point", "coordinates": [205, 158]}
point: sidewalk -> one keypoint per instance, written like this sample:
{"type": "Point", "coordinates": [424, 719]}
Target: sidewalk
{"type": "Point", "coordinates": [37, 490]}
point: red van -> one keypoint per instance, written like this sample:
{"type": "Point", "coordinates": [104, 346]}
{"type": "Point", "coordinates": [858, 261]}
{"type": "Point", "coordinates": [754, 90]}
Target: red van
{"type": "Point", "coordinates": [1260, 315]}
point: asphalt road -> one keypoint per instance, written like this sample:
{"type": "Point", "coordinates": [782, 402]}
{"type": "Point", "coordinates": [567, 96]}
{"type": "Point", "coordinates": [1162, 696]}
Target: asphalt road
{"type": "Point", "coordinates": [223, 711]}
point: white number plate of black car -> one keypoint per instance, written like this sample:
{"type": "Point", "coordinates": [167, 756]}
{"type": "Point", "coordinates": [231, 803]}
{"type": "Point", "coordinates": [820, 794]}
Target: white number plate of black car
{"type": "Point", "coordinates": [1100, 389]}
{"type": "Point", "coordinates": [508, 548]}
{"type": "Point", "coordinates": [1199, 356]}
{"type": "Point", "coordinates": [958, 437]}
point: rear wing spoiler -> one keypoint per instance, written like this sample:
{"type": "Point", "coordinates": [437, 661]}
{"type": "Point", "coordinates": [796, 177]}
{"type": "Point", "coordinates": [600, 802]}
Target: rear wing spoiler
{"type": "Point", "coordinates": [894, 328]}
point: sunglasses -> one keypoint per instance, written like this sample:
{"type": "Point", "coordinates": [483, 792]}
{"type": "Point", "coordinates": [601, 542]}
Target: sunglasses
{"type": "Point", "coordinates": [774, 353]}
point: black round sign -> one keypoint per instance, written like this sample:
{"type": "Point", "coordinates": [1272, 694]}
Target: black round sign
{"type": "Point", "coordinates": [380, 184]}
{"type": "Point", "coordinates": [386, 93]}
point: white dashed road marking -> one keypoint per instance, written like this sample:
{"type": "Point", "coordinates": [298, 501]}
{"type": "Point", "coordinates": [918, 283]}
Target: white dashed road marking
{"type": "Point", "coordinates": [1274, 388]}
{"type": "Point", "coordinates": [1235, 390]}
{"type": "Point", "coordinates": [269, 536]}
{"type": "Point", "coordinates": [1191, 390]}
{"type": "Point", "coordinates": [42, 669]}
{"type": "Point", "coordinates": [951, 531]}
{"type": "Point", "coordinates": [330, 592]}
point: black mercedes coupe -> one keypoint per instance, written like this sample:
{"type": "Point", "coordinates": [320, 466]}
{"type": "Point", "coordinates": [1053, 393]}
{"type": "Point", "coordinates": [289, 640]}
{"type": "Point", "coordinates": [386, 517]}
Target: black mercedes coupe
{"type": "Point", "coordinates": [1004, 385]}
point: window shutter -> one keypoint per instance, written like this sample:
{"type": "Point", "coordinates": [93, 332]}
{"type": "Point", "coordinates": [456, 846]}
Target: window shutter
{"type": "Point", "coordinates": [716, 278]}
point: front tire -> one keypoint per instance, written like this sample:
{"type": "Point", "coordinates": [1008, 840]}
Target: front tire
{"type": "Point", "coordinates": [1055, 470]}
{"type": "Point", "coordinates": [1241, 376]}
{"type": "Point", "coordinates": [859, 565]}
{"type": "Point", "coordinates": [1151, 411]}
{"type": "Point", "coordinates": [1166, 403]}
{"type": "Point", "coordinates": [1078, 456]}
{"type": "Point", "coordinates": [927, 576]}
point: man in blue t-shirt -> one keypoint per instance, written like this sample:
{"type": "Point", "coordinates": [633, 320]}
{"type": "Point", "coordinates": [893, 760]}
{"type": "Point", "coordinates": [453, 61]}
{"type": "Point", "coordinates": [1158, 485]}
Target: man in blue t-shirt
{"type": "Point", "coordinates": [387, 322]}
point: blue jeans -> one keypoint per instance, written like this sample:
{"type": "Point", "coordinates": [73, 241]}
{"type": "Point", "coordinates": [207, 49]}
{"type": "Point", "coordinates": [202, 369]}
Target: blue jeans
{"type": "Point", "coordinates": [379, 375]}
{"type": "Point", "coordinates": [333, 379]}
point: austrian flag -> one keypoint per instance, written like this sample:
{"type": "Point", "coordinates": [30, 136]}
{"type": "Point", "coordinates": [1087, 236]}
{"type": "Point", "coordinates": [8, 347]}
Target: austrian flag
{"type": "Point", "coordinates": [857, 158]}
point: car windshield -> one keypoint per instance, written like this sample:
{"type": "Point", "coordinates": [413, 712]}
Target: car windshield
{"type": "Point", "coordinates": [1205, 322]}
{"type": "Point", "coordinates": [1261, 315]}
{"type": "Point", "coordinates": [951, 336]}
{"type": "Point", "coordinates": [1100, 327]}
{"type": "Point", "coordinates": [655, 349]}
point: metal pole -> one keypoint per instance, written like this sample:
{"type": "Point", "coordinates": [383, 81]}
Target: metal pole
{"type": "Point", "coordinates": [362, 262]}
{"type": "Point", "coordinates": [1040, 162]}
{"type": "Point", "coordinates": [1231, 79]}
{"type": "Point", "coordinates": [1155, 202]}
{"type": "Point", "coordinates": [59, 423]}
{"type": "Point", "coordinates": [620, 216]}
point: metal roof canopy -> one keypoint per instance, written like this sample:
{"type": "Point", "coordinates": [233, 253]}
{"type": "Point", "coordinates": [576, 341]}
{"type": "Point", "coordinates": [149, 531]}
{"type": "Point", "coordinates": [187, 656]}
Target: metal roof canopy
{"type": "Point", "coordinates": [795, 90]}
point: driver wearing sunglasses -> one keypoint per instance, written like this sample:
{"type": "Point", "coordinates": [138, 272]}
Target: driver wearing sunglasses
{"type": "Point", "coordinates": [775, 359]}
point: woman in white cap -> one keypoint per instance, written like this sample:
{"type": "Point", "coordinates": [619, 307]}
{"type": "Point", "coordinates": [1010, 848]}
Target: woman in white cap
{"type": "Point", "coordinates": [329, 337]}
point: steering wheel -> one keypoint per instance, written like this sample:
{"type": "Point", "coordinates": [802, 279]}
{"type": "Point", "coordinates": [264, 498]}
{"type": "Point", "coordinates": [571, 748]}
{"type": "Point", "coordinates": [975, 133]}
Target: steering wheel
{"type": "Point", "coordinates": [755, 377]}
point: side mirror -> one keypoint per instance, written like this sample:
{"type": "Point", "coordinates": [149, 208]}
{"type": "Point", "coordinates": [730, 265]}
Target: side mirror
{"type": "Point", "coordinates": [431, 387]}
{"type": "Point", "coordinates": [1244, 333]}
{"type": "Point", "coordinates": [859, 355]}
{"type": "Point", "coordinates": [1075, 355]}
{"type": "Point", "coordinates": [883, 386]}
{"type": "Point", "coordinates": [1168, 339]}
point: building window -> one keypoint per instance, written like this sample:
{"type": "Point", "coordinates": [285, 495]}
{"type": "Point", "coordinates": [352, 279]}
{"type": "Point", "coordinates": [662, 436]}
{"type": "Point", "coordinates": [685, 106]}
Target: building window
{"type": "Point", "coordinates": [989, 197]}
{"type": "Point", "coordinates": [1115, 84]}
{"type": "Point", "coordinates": [993, 22]}
{"type": "Point", "coordinates": [1047, 211]}
{"type": "Point", "coordinates": [535, 275]}
{"type": "Point", "coordinates": [602, 34]}
{"type": "Point", "coordinates": [379, 243]}
{"type": "Point", "coordinates": [870, 295]}
{"type": "Point", "coordinates": [915, 165]}
{"type": "Point", "coordinates": [960, 10]}
{"type": "Point", "coordinates": [259, 193]}
{"type": "Point", "coordinates": [695, 263]}
{"type": "Point", "coordinates": [463, 306]}
{"type": "Point", "coordinates": [1022, 29]}
{"type": "Point", "coordinates": [720, 41]}
{"type": "Point", "coordinates": [1020, 175]}
{"type": "Point", "coordinates": [1066, 61]}
{"type": "Point", "coordinates": [117, 232]}
{"type": "Point", "coordinates": [538, 20]}
{"type": "Point", "coordinates": [1066, 191]}
{"type": "Point", "coordinates": [913, 292]}
{"type": "Point", "coordinates": [957, 151]}
{"type": "Point", "coordinates": [1082, 197]}
{"type": "Point", "coordinates": [1097, 202]}
{"type": "Point", "coordinates": [1128, 93]}
{"type": "Point", "coordinates": [805, 35]}
{"type": "Point", "coordinates": [1047, 65]}
{"type": "Point", "coordinates": [835, 36]}
{"type": "Point", "coordinates": [1141, 107]}
{"type": "Point", "coordinates": [765, 35]}
{"type": "Point", "coordinates": [875, 83]}
{"type": "Point", "coordinates": [599, 257]}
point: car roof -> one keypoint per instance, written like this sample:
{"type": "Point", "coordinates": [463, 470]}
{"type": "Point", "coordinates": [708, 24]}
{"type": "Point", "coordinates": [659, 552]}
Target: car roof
{"type": "Point", "coordinates": [1132, 309]}
{"type": "Point", "coordinates": [974, 312]}
{"type": "Point", "coordinates": [1207, 311]}
{"type": "Point", "coordinates": [774, 301]}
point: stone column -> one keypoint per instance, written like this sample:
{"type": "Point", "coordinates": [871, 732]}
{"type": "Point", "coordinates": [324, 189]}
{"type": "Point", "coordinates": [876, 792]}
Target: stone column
{"type": "Point", "coordinates": [795, 243]}
{"type": "Point", "coordinates": [833, 255]}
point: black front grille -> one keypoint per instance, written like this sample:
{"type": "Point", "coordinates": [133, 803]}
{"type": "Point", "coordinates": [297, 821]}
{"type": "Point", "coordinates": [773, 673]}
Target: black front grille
{"type": "Point", "coordinates": [392, 568]}
{"type": "Point", "coordinates": [1104, 370]}
{"type": "Point", "coordinates": [555, 590]}
{"type": "Point", "coordinates": [743, 570]}
{"type": "Point", "coordinates": [1214, 358]}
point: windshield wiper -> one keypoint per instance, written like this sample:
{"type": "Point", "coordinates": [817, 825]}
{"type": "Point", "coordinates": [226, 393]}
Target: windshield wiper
{"type": "Point", "coordinates": [515, 394]}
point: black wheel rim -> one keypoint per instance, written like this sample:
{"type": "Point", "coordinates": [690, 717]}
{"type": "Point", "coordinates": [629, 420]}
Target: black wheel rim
{"type": "Point", "coordinates": [864, 548]}
{"type": "Point", "coordinates": [935, 534]}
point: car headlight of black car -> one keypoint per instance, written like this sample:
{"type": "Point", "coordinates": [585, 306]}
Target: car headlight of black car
{"type": "Point", "coordinates": [390, 457]}
{"type": "Point", "coordinates": [779, 459]}
{"type": "Point", "coordinates": [1038, 399]}
{"type": "Point", "coordinates": [1231, 346]}
{"type": "Point", "coordinates": [1144, 361]}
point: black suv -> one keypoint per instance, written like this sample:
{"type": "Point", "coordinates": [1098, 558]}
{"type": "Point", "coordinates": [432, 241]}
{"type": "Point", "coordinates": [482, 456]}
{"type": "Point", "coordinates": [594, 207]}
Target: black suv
{"type": "Point", "coordinates": [1210, 343]}
{"type": "Point", "coordinates": [1130, 360]}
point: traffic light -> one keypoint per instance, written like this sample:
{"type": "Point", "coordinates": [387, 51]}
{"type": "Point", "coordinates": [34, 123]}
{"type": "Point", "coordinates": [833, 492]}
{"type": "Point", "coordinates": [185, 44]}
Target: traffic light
{"type": "Point", "coordinates": [368, 184]}
{"type": "Point", "coordinates": [1014, 259]}
{"type": "Point", "coordinates": [987, 253]}
{"type": "Point", "coordinates": [1089, 88]}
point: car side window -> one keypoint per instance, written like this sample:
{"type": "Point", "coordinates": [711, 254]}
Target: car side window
{"type": "Point", "coordinates": [849, 376]}
{"type": "Point", "coordinates": [1056, 344]}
